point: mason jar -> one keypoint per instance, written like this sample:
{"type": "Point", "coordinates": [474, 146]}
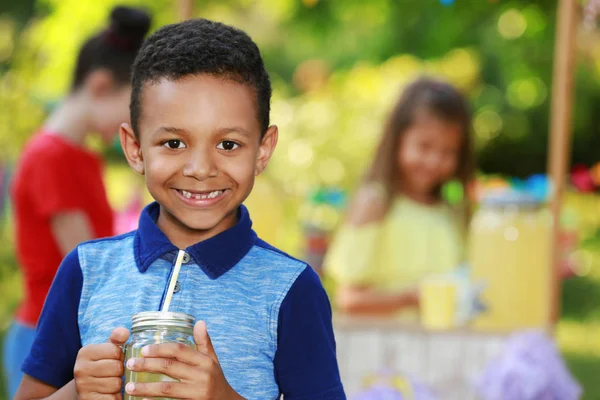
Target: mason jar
{"type": "Point", "coordinates": [509, 251]}
{"type": "Point", "coordinates": [155, 327]}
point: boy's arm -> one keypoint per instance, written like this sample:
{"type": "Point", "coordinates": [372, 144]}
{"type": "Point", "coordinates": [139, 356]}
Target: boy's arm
{"type": "Point", "coordinates": [98, 371]}
{"type": "Point", "coordinates": [305, 362]}
{"type": "Point", "coordinates": [36, 389]}
{"type": "Point", "coordinates": [50, 363]}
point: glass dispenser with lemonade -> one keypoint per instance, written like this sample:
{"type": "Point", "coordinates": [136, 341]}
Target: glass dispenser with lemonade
{"type": "Point", "coordinates": [509, 250]}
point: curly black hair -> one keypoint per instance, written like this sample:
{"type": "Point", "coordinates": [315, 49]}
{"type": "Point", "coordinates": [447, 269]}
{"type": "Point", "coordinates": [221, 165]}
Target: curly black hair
{"type": "Point", "coordinates": [200, 46]}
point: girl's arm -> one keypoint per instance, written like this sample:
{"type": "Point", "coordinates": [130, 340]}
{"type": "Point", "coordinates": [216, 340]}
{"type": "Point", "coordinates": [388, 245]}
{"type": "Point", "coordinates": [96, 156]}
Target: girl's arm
{"type": "Point", "coordinates": [69, 229]}
{"type": "Point", "coordinates": [353, 299]}
{"type": "Point", "coordinates": [369, 205]}
{"type": "Point", "coordinates": [366, 211]}
{"type": "Point", "coordinates": [33, 389]}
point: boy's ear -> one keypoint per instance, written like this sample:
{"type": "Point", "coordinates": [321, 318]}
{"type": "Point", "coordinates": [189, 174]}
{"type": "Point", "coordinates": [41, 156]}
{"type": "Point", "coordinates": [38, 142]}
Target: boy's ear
{"type": "Point", "coordinates": [266, 148]}
{"type": "Point", "coordinates": [132, 149]}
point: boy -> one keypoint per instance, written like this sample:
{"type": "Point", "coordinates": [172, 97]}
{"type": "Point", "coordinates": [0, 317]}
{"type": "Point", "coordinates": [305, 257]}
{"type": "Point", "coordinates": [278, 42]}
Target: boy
{"type": "Point", "coordinates": [199, 134]}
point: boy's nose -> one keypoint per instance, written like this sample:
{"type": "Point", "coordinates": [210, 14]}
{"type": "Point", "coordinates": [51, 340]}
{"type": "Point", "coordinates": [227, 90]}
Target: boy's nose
{"type": "Point", "coordinates": [200, 166]}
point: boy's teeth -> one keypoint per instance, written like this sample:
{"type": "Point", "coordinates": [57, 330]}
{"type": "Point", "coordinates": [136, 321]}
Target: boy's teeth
{"type": "Point", "coordinates": [198, 196]}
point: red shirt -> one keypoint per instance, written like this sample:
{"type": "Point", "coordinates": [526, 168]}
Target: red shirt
{"type": "Point", "coordinates": [53, 176]}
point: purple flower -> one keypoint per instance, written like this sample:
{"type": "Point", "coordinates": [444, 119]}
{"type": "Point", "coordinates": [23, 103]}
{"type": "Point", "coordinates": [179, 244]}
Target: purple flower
{"type": "Point", "coordinates": [529, 368]}
{"type": "Point", "coordinates": [384, 389]}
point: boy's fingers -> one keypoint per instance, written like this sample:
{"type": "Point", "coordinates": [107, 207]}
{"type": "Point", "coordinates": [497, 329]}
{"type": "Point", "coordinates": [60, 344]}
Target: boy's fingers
{"type": "Point", "coordinates": [108, 368]}
{"type": "Point", "coordinates": [101, 387]}
{"type": "Point", "coordinates": [171, 390]}
{"type": "Point", "coordinates": [167, 366]}
{"type": "Point", "coordinates": [104, 396]}
{"type": "Point", "coordinates": [119, 336]}
{"type": "Point", "coordinates": [178, 351]}
{"type": "Point", "coordinates": [203, 342]}
{"type": "Point", "coordinates": [102, 351]}
{"type": "Point", "coordinates": [100, 396]}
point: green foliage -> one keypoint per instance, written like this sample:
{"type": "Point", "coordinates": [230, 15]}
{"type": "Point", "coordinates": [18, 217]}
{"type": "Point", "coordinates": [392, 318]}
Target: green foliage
{"type": "Point", "coordinates": [337, 66]}
{"type": "Point", "coordinates": [511, 40]}
{"type": "Point", "coordinates": [10, 287]}
{"type": "Point", "coordinates": [586, 368]}
{"type": "Point", "coordinates": [10, 283]}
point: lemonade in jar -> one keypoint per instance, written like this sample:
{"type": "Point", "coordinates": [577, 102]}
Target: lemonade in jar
{"type": "Point", "coordinates": [154, 327]}
{"type": "Point", "coordinates": [509, 250]}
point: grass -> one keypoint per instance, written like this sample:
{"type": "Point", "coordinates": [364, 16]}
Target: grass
{"type": "Point", "coordinates": [586, 369]}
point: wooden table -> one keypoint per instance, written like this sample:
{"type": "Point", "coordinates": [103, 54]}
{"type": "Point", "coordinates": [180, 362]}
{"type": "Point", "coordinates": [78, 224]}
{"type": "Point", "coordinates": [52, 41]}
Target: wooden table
{"type": "Point", "coordinates": [447, 361]}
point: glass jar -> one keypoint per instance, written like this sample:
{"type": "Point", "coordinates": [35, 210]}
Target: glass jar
{"type": "Point", "coordinates": [509, 251]}
{"type": "Point", "coordinates": [154, 327]}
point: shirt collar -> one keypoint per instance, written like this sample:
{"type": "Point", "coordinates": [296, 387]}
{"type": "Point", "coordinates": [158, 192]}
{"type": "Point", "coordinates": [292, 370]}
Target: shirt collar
{"type": "Point", "coordinates": [215, 255]}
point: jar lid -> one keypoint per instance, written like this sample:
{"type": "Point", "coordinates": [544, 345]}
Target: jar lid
{"type": "Point", "coordinates": [505, 198]}
{"type": "Point", "coordinates": [161, 318]}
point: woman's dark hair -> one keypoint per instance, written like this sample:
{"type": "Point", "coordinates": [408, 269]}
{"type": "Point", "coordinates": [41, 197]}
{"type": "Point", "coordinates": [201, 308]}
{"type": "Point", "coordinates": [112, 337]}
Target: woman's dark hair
{"type": "Point", "coordinates": [440, 100]}
{"type": "Point", "coordinates": [114, 48]}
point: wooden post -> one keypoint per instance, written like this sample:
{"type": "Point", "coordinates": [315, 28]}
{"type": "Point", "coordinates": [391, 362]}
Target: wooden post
{"type": "Point", "coordinates": [560, 132]}
{"type": "Point", "coordinates": [186, 9]}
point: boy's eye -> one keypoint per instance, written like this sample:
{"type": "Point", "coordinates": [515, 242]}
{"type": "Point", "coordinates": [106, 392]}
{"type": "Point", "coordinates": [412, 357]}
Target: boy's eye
{"type": "Point", "coordinates": [227, 145]}
{"type": "Point", "coordinates": [174, 144]}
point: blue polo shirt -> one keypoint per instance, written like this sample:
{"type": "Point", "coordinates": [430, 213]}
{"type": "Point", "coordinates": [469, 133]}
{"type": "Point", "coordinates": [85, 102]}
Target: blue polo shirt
{"type": "Point", "coordinates": [267, 314]}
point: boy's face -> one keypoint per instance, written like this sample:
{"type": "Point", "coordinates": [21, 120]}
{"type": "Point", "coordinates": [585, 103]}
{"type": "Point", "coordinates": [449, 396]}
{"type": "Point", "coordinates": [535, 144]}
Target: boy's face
{"type": "Point", "coordinates": [200, 149]}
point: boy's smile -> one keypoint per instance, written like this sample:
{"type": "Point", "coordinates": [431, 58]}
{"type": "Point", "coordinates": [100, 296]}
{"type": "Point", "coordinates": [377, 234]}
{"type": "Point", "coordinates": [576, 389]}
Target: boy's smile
{"type": "Point", "coordinates": [200, 149]}
{"type": "Point", "coordinates": [201, 199]}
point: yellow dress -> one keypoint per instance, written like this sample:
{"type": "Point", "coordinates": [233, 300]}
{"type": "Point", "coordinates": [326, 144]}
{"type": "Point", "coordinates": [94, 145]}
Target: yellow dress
{"type": "Point", "coordinates": [394, 254]}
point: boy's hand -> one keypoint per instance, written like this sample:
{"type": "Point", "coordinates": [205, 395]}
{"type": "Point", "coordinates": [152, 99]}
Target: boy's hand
{"type": "Point", "coordinates": [198, 370]}
{"type": "Point", "coordinates": [99, 368]}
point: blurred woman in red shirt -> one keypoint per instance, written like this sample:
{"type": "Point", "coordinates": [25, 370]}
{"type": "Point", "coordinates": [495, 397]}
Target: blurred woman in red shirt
{"type": "Point", "coordinates": [58, 193]}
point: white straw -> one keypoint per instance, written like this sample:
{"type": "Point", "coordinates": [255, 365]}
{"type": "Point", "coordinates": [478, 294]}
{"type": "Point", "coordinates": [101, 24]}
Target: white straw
{"type": "Point", "coordinates": [173, 281]}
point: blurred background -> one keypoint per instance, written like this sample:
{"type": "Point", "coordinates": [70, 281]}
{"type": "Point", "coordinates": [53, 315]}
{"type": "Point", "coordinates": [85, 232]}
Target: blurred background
{"type": "Point", "coordinates": [337, 68]}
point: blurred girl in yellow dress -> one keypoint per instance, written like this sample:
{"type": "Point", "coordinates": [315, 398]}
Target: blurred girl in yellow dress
{"type": "Point", "coordinates": [398, 228]}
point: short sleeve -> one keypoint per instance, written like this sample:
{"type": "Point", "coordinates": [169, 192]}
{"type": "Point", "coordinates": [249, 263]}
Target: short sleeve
{"type": "Point", "coordinates": [305, 362]}
{"type": "Point", "coordinates": [352, 255]}
{"type": "Point", "coordinates": [54, 186]}
{"type": "Point", "coordinates": [57, 342]}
